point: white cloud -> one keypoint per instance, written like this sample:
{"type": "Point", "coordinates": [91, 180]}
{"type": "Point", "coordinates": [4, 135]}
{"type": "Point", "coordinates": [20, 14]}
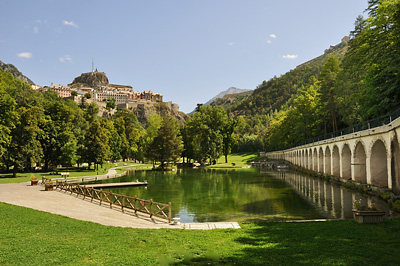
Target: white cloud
{"type": "Point", "coordinates": [25, 55]}
{"type": "Point", "coordinates": [290, 56]}
{"type": "Point", "coordinates": [269, 41]}
{"type": "Point", "coordinates": [272, 36]}
{"type": "Point", "coordinates": [65, 59]}
{"type": "Point", "coordinates": [231, 43]}
{"type": "Point", "coordinates": [36, 29]}
{"type": "Point", "coordinates": [70, 23]}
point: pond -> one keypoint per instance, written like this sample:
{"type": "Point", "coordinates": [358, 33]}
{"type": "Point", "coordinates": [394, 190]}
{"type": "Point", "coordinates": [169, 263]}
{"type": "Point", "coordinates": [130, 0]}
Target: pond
{"type": "Point", "coordinates": [214, 195]}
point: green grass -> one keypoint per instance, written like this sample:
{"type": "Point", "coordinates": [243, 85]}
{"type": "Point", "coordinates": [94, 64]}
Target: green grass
{"type": "Point", "coordinates": [239, 159]}
{"type": "Point", "coordinates": [73, 172]}
{"type": "Point", "coordinates": [30, 237]}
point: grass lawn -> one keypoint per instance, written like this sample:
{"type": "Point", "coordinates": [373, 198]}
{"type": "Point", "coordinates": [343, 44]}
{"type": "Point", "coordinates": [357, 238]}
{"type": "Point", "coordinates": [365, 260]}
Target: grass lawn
{"type": "Point", "coordinates": [239, 159]}
{"type": "Point", "coordinates": [30, 237]}
{"type": "Point", "coordinates": [73, 172]}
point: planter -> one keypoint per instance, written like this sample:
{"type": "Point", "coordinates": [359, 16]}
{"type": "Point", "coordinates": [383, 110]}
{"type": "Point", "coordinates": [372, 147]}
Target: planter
{"type": "Point", "coordinates": [368, 217]}
{"type": "Point", "coordinates": [34, 182]}
{"type": "Point", "coordinates": [48, 187]}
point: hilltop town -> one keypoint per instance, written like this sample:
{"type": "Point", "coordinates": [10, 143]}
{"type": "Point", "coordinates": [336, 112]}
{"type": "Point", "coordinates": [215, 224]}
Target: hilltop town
{"type": "Point", "coordinates": [95, 86]}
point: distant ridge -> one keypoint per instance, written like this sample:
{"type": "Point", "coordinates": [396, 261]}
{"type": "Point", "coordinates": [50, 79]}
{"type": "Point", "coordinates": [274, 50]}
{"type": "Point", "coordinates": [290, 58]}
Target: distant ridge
{"type": "Point", "coordinates": [15, 72]}
{"type": "Point", "coordinates": [231, 90]}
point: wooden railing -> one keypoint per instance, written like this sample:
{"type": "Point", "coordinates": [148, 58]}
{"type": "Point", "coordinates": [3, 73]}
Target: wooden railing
{"type": "Point", "coordinates": [137, 205]}
{"type": "Point", "coordinates": [83, 179]}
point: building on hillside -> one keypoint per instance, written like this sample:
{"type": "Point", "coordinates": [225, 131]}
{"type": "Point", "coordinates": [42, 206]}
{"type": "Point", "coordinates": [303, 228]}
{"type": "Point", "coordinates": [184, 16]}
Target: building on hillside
{"type": "Point", "coordinates": [36, 87]}
{"type": "Point", "coordinates": [103, 96]}
{"type": "Point", "coordinates": [62, 91]}
{"type": "Point", "coordinates": [152, 96]}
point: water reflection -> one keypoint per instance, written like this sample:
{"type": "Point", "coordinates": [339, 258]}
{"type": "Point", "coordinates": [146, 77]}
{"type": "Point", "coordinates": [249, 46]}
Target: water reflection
{"type": "Point", "coordinates": [331, 200]}
{"type": "Point", "coordinates": [206, 195]}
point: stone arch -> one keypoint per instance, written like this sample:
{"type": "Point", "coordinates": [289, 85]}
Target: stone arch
{"type": "Point", "coordinates": [302, 158]}
{"type": "Point", "coordinates": [360, 160]}
{"type": "Point", "coordinates": [378, 165]}
{"type": "Point", "coordinates": [310, 159]}
{"type": "Point", "coordinates": [346, 161]}
{"type": "Point", "coordinates": [327, 161]}
{"type": "Point", "coordinates": [306, 159]}
{"type": "Point", "coordinates": [321, 160]}
{"type": "Point", "coordinates": [298, 157]}
{"type": "Point", "coordinates": [315, 162]}
{"type": "Point", "coordinates": [395, 162]}
{"type": "Point", "coordinates": [335, 161]}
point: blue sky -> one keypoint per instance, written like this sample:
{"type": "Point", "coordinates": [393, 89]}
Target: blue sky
{"type": "Point", "coordinates": [188, 50]}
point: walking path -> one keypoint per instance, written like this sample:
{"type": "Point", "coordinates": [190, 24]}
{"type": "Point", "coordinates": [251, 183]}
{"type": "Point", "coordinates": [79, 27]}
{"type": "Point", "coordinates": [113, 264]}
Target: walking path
{"type": "Point", "coordinates": [62, 203]}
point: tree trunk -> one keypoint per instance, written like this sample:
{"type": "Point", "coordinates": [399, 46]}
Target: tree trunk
{"type": "Point", "coordinates": [15, 171]}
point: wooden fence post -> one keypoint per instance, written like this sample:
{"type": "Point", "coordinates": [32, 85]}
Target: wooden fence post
{"type": "Point", "coordinates": [151, 208]}
{"type": "Point", "coordinates": [135, 205]}
{"type": "Point", "coordinates": [122, 202]}
{"type": "Point", "coordinates": [169, 212]}
{"type": "Point", "coordinates": [101, 195]}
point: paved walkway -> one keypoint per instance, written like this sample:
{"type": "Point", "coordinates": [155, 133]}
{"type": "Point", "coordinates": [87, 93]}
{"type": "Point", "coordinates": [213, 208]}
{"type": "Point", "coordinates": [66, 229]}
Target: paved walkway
{"type": "Point", "coordinates": [62, 203]}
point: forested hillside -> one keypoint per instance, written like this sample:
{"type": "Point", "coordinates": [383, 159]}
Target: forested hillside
{"type": "Point", "coordinates": [15, 72]}
{"type": "Point", "coordinates": [349, 83]}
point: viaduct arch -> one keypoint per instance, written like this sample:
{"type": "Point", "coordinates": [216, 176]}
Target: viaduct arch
{"type": "Point", "coordinates": [371, 156]}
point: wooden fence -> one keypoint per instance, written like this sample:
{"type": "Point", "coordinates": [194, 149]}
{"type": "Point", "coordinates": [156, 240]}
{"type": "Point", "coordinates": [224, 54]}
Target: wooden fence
{"type": "Point", "coordinates": [83, 179]}
{"type": "Point", "coordinates": [137, 205]}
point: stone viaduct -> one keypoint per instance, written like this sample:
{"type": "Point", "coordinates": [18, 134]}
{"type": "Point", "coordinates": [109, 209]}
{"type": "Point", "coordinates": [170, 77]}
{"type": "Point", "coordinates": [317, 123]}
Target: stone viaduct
{"type": "Point", "coordinates": [371, 156]}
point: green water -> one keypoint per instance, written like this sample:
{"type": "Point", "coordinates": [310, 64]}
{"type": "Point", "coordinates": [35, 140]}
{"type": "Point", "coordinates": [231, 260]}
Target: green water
{"type": "Point", "coordinates": [199, 195]}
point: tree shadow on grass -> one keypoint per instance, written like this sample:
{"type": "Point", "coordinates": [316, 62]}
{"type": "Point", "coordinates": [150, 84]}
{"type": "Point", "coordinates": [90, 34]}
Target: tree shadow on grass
{"type": "Point", "coordinates": [309, 243]}
{"type": "Point", "coordinates": [320, 243]}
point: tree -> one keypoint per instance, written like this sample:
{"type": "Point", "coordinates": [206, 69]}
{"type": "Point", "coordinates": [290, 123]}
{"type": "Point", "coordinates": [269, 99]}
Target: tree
{"type": "Point", "coordinates": [8, 119]}
{"type": "Point", "coordinates": [327, 78]}
{"type": "Point", "coordinates": [91, 112]}
{"type": "Point", "coordinates": [131, 132]}
{"type": "Point", "coordinates": [25, 149]}
{"type": "Point", "coordinates": [114, 139]}
{"type": "Point", "coordinates": [69, 151]}
{"type": "Point", "coordinates": [110, 104]}
{"type": "Point", "coordinates": [96, 143]}
{"type": "Point", "coordinates": [167, 146]}
{"type": "Point", "coordinates": [228, 137]}
{"type": "Point", "coordinates": [370, 78]}
{"type": "Point", "coordinates": [88, 95]}
{"type": "Point", "coordinates": [206, 127]}
{"type": "Point", "coordinates": [154, 123]}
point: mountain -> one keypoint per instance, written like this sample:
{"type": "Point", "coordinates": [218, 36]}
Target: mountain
{"type": "Point", "coordinates": [15, 72]}
{"type": "Point", "coordinates": [231, 90]}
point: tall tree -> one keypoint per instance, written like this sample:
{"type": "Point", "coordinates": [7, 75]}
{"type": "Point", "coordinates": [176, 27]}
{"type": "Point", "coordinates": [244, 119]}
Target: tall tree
{"type": "Point", "coordinates": [96, 143]}
{"type": "Point", "coordinates": [207, 127]}
{"type": "Point", "coordinates": [228, 137]}
{"type": "Point", "coordinates": [8, 119]}
{"type": "Point", "coordinates": [167, 146]}
{"type": "Point", "coordinates": [133, 132]}
{"type": "Point", "coordinates": [25, 149]}
{"type": "Point", "coordinates": [327, 78]}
